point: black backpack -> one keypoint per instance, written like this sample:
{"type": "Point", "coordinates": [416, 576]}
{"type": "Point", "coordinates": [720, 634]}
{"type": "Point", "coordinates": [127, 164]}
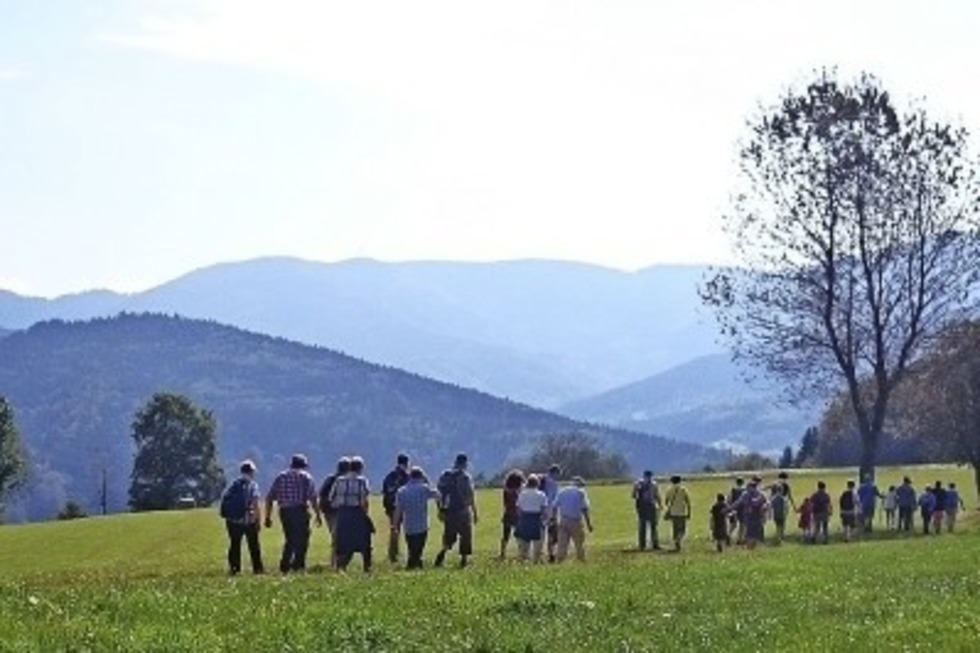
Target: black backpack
{"type": "Point", "coordinates": [324, 494]}
{"type": "Point", "coordinates": [234, 501]}
{"type": "Point", "coordinates": [450, 494]}
{"type": "Point", "coordinates": [395, 479]}
{"type": "Point", "coordinates": [847, 501]}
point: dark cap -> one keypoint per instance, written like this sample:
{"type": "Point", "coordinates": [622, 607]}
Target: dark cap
{"type": "Point", "coordinates": [402, 459]}
{"type": "Point", "coordinates": [461, 460]}
{"type": "Point", "coordinates": [299, 461]}
{"type": "Point", "coordinates": [647, 473]}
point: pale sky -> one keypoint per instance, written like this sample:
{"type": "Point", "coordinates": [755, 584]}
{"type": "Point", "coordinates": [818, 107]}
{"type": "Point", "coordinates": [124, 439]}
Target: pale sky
{"type": "Point", "coordinates": [142, 139]}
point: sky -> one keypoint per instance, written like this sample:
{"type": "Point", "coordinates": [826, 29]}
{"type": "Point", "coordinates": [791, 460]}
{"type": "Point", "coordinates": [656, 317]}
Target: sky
{"type": "Point", "coordinates": [140, 140]}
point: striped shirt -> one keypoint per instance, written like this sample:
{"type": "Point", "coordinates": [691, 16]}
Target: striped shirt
{"type": "Point", "coordinates": [350, 491]}
{"type": "Point", "coordinates": [412, 501]}
{"type": "Point", "coordinates": [292, 488]}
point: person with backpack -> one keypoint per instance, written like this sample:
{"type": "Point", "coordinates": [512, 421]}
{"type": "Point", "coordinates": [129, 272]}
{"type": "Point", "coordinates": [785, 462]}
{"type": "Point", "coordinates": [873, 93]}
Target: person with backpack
{"type": "Point", "coordinates": [779, 507]}
{"type": "Point", "coordinates": [328, 511]}
{"type": "Point", "coordinates": [349, 497]}
{"type": "Point", "coordinates": [868, 495]}
{"type": "Point", "coordinates": [939, 511]}
{"type": "Point", "coordinates": [820, 504]}
{"type": "Point", "coordinates": [393, 481]}
{"type": "Point", "coordinates": [753, 505]}
{"type": "Point", "coordinates": [678, 509]}
{"type": "Point", "coordinates": [849, 510]}
{"type": "Point", "coordinates": [927, 503]}
{"type": "Point", "coordinates": [646, 498]}
{"type": "Point", "coordinates": [412, 515]}
{"type": "Point", "coordinates": [457, 509]}
{"type": "Point", "coordinates": [294, 491]}
{"type": "Point", "coordinates": [241, 509]}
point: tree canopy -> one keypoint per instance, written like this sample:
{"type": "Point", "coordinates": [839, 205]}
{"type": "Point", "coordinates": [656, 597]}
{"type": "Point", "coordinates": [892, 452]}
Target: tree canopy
{"type": "Point", "coordinates": [13, 457]}
{"type": "Point", "coordinates": [577, 454]}
{"type": "Point", "coordinates": [856, 235]}
{"type": "Point", "coordinates": [176, 454]}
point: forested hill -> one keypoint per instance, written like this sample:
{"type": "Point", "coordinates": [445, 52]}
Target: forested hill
{"type": "Point", "coordinates": [76, 386]}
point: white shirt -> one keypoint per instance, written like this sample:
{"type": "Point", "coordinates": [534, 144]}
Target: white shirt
{"type": "Point", "coordinates": [571, 502]}
{"type": "Point", "coordinates": [532, 500]}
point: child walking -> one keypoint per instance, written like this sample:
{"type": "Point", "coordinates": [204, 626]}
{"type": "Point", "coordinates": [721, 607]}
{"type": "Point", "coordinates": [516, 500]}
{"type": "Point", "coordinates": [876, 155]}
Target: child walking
{"type": "Point", "coordinates": [778, 506]}
{"type": "Point", "coordinates": [719, 523]}
{"type": "Point", "coordinates": [891, 504]}
{"type": "Point", "coordinates": [806, 520]}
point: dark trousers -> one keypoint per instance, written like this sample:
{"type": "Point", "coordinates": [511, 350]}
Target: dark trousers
{"type": "Point", "coordinates": [296, 531]}
{"type": "Point", "coordinates": [926, 518]}
{"type": "Point", "coordinates": [251, 534]}
{"type": "Point", "coordinates": [905, 519]}
{"type": "Point", "coordinates": [392, 540]}
{"type": "Point", "coordinates": [646, 520]}
{"type": "Point", "coordinates": [416, 545]}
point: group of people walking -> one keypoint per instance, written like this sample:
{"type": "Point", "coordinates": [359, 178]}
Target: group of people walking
{"type": "Point", "coordinates": [545, 517]}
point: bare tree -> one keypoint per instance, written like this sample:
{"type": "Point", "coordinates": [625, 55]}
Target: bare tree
{"type": "Point", "coordinates": [856, 238]}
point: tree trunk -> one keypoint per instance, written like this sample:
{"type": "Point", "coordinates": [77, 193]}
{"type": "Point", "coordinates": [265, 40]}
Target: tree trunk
{"type": "Point", "coordinates": [976, 476]}
{"type": "Point", "coordinates": [869, 455]}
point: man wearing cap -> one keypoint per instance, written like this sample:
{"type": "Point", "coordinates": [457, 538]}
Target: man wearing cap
{"type": "Point", "coordinates": [294, 491]}
{"type": "Point", "coordinates": [646, 498]}
{"type": "Point", "coordinates": [247, 526]}
{"type": "Point", "coordinates": [457, 509]}
{"type": "Point", "coordinates": [572, 510]}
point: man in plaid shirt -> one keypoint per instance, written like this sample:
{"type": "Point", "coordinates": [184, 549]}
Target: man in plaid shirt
{"type": "Point", "coordinates": [294, 490]}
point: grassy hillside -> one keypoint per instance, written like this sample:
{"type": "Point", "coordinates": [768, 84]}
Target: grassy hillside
{"type": "Point", "coordinates": [75, 387]}
{"type": "Point", "coordinates": [156, 582]}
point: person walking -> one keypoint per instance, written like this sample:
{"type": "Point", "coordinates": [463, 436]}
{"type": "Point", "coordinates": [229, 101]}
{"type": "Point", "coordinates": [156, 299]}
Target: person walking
{"type": "Point", "coordinates": [736, 518]}
{"type": "Point", "coordinates": [242, 511]}
{"type": "Point", "coordinates": [533, 508]}
{"type": "Point", "coordinates": [349, 497]}
{"type": "Point", "coordinates": [646, 498]}
{"type": "Point", "coordinates": [890, 504]}
{"type": "Point", "coordinates": [549, 484]}
{"type": "Point", "coordinates": [905, 497]}
{"type": "Point", "coordinates": [779, 507]}
{"type": "Point", "coordinates": [849, 507]}
{"type": "Point", "coordinates": [393, 481]}
{"type": "Point", "coordinates": [820, 504]}
{"type": "Point", "coordinates": [678, 509]}
{"type": "Point", "coordinates": [457, 506]}
{"type": "Point", "coordinates": [754, 507]}
{"type": "Point", "coordinates": [513, 485]}
{"type": "Point", "coordinates": [574, 517]}
{"type": "Point", "coordinates": [868, 495]}
{"type": "Point", "coordinates": [719, 523]}
{"type": "Point", "coordinates": [411, 515]}
{"type": "Point", "coordinates": [939, 510]}
{"type": "Point", "coordinates": [927, 503]}
{"type": "Point", "coordinates": [294, 492]}
{"type": "Point", "coordinates": [327, 510]}
{"type": "Point", "coordinates": [954, 503]}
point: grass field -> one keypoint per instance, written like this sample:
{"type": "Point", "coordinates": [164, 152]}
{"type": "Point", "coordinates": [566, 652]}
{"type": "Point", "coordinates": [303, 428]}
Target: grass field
{"type": "Point", "coordinates": [157, 582]}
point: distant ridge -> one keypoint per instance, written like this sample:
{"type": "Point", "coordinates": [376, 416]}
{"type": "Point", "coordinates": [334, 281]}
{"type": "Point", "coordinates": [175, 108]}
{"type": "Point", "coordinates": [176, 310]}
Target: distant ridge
{"type": "Point", "coordinates": [75, 387]}
{"type": "Point", "coordinates": [541, 332]}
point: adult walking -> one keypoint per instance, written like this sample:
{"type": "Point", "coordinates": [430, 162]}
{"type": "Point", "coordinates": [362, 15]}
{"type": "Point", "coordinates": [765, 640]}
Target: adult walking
{"type": "Point", "coordinates": [241, 507]}
{"type": "Point", "coordinates": [753, 506]}
{"type": "Point", "coordinates": [905, 498]}
{"type": "Point", "coordinates": [349, 497]}
{"type": "Point", "coordinates": [549, 484]}
{"type": "Point", "coordinates": [736, 518]}
{"type": "Point", "coordinates": [954, 503]}
{"type": "Point", "coordinates": [412, 515]}
{"type": "Point", "coordinates": [532, 505]}
{"type": "Point", "coordinates": [868, 495]}
{"type": "Point", "coordinates": [678, 509]}
{"type": "Point", "coordinates": [939, 510]}
{"type": "Point", "coordinates": [328, 511]}
{"type": "Point", "coordinates": [294, 492]}
{"type": "Point", "coordinates": [393, 481]}
{"type": "Point", "coordinates": [574, 517]}
{"type": "Point", "coordinates": [457, 508]}
{"type": "Point", "coordinates": [646, 499]}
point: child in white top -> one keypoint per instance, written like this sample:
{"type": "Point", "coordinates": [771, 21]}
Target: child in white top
{"type": "Point", "coordinates": [890, 503]}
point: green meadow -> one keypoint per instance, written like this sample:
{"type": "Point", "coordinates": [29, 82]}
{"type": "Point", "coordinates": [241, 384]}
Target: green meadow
{"type": "Point", "coordinates": [157, 582]}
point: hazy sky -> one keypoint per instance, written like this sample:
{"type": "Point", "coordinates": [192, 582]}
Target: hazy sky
{"type": "Point", "coordinates": [140, 140]}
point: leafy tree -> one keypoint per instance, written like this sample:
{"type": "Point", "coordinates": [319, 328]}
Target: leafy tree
{"type": "Point", "coordinates": [13, 457]}
{"type": "Point", "coordinates": [72, 510]}
{"type": "Point", "coordinates": [175, 454]}
{"type": "Point", "coordinates": [578, 454]}
{"type": "Point", "coordinates": [808, 447]}
{"type": "Point", "coordinates": [787, 459]}
{"type": "Point", "coordinates": [857, 242]}
{"type": "Point", "coordinates": [942, 403]}
{"type": "Point", "coordinates": [749, 462]}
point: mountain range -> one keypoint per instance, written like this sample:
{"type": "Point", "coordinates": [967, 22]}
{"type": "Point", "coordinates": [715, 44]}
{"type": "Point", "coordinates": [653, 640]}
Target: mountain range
{"type": "Point", "coordinates": [76, 386]}
{"type": "Point", "coordinates": [539, 332]}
